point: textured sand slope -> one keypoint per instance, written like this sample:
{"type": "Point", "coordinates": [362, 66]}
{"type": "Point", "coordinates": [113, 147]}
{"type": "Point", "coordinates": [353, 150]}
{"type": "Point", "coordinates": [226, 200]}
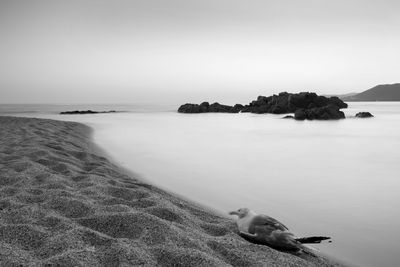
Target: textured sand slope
{"type": "Point", "coordinates": [62, 203]}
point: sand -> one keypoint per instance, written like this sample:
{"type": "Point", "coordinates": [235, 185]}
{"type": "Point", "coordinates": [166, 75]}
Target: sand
{"type": "Point", "coordinates": [63, 203]}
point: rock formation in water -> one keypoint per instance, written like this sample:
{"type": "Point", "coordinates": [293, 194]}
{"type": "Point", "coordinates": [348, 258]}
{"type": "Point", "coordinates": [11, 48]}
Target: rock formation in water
{"type": "Point", "coordinates": [206, 107]}
{"type": "Point", "coordinates": [329, 112]}
{"type": "Point", "coordinates": [309, 106]}
{"type": "Point", "coordinates": [85, 112]}
{"type": "Point", "coordinates": [289, 103]}
{"type": "Point", "coordinates": [364, 115]}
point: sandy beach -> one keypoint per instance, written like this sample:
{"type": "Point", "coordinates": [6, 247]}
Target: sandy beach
{"type": "Point", "coordinates": [63, 203]}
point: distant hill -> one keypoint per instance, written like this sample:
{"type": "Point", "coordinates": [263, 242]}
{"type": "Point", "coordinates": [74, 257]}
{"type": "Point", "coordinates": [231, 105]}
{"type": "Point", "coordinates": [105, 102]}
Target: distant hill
{"type": "Point", "coordinates": [341, 96]}
{"type": "Point", "coordinates": [383, 92]}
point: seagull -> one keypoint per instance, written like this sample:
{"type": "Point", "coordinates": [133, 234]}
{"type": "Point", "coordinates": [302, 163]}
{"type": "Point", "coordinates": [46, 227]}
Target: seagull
{"type": "Point", "coordinates": [265, 230]}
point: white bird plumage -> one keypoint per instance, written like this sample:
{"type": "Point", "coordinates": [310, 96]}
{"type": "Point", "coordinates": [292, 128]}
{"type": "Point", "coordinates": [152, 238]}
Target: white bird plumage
{"type": "Point", "coordinates": [262, 229]}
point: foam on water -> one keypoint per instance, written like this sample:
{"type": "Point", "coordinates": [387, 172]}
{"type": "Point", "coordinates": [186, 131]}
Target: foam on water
{"type": "Point", "coordinates": [334, 178]}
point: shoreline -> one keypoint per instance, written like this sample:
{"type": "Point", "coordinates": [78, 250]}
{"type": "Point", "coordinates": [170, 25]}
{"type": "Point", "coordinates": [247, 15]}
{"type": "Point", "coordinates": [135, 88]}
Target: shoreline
{"type": "Point", "coordinates": [64, 201]}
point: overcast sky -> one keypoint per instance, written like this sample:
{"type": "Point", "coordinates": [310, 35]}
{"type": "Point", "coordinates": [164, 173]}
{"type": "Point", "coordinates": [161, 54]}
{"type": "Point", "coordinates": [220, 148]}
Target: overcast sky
{"type": "Point", "coordinates": [170, 50]}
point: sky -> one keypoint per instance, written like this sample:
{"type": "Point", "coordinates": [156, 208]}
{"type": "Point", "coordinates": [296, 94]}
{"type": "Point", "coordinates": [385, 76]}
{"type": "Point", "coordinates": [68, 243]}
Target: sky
{"type": "Point", "coordinates": [116, 51]}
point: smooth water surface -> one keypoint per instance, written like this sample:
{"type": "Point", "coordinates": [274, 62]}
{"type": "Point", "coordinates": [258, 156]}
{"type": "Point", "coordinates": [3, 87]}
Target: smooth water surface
{"type": "Point", "coordinates": [335, 178]}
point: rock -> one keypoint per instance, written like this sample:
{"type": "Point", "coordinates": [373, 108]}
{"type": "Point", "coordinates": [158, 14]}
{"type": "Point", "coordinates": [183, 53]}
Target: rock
{"type": "Point", "coordinates": [338, 102]}
{"type": "Point", "coordinates": [329, 112]}
{"type": "Point", "coordinates": [84, 112]}
{"type": "Point", "coordinates": [217, 107]}
{"type": "Point", "coordinates": [303, 100]}
{"type": "Point", "coordinates": [237, 108]}
{"type": "Point", "coordinates": [289, 103]}
{"type": "Point", "coordinates": [364, 115]}
{"type": "Point", "coordinates": [189, 108]}
{"type": "Point", "coordinates": [206, 107]}
{"type": "Point", "coordinates": [307, 106]}
{"type": "Point", "coordinates": [288, 117]}
{"type": "Point", "coordinates": [300, 115]}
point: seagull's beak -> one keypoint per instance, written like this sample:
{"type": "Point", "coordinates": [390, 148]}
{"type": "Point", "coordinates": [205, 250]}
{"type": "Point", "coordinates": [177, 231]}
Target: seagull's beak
{"type": "Point", "coordinates": [233, 213]}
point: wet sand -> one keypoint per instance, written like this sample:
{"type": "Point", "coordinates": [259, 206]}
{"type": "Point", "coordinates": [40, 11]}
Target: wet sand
{"type": "Point", "coordinates": [62, 202]}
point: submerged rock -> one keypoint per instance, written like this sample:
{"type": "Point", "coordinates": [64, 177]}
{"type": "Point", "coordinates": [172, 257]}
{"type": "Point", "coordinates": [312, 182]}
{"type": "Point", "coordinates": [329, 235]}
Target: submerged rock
{"type": "Point", "coordinates": [288, 117]}
{"type": "Point", "coordinates": [364, 115]}
{"type": "Point", "coordinates": [84, 112]}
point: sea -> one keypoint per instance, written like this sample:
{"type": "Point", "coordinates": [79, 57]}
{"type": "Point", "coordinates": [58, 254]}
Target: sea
{"type": "Point", "coordinates": [332, 178]}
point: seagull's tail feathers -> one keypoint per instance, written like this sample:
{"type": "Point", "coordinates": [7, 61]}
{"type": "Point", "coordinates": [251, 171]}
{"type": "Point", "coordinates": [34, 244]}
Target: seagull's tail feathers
{"type": "Point", "coordinates": [312, 239]}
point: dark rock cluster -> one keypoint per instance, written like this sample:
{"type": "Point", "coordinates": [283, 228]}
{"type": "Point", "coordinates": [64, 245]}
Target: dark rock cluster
{"type": "Point", "coordinates": [85, 112]}
{"type": "Point", "coordinates": [304, 105]}
{"type": "Point", "coordinates": [206, 107]}
{"type": "Point", "coordinates": [329, 112]}
{"type": "Point", "coordinates": [289, 103]}
{"type": "Point", "coordinates": [364, 115]}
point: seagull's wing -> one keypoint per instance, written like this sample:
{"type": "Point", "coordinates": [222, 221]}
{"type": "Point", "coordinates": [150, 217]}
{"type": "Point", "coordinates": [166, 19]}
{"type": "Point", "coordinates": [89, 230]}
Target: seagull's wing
{"type": "Point", "coordinates": [270, 236]}
{"type": "Point", "coordinates": [266, 221]}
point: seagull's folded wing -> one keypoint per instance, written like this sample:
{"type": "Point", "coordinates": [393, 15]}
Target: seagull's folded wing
{"type": "Point", "coordinates": [264, 220]}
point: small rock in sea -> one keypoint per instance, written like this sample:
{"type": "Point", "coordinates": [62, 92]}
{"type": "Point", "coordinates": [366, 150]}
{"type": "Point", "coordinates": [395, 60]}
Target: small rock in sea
{"type": "Point", "coordinates": [364, 115]}
{"type": "Point", "coordinates": [85, 112]}
{"type": "Point", "coordinates": [288, 117]}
